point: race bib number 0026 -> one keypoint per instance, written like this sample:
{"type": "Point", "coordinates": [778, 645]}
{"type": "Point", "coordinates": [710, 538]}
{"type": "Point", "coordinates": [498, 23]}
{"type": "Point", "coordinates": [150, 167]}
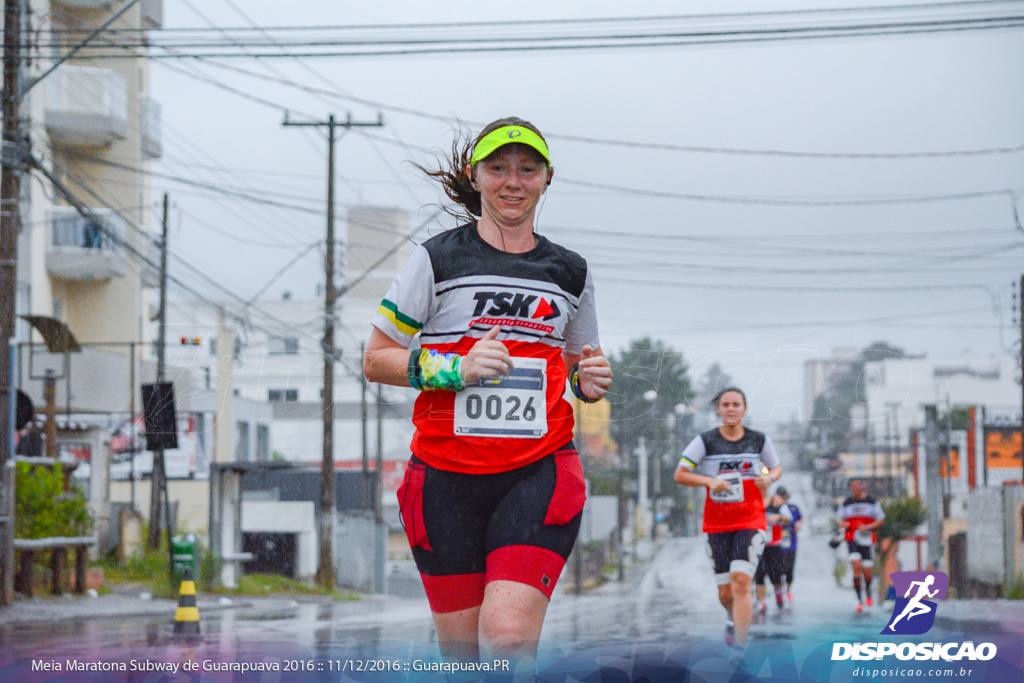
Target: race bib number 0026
{"type": "Point", "coordinates": [512, 406]}
{"type": "Point", "coordinates": [733, 494]}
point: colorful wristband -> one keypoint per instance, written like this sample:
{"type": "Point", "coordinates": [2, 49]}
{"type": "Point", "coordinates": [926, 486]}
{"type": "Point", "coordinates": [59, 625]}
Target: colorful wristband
{"type": "Point", "coordinates": [574, 383]}
{"type": "Point", "coordinates": [430, 369]}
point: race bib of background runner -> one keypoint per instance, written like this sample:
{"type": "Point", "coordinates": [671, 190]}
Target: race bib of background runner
{"type": "Point", "coordinates": [863, 537]}
{"type": "Point", "coordinates": [733, 494]}
{"type": "Point", "coordinates": [512, 406]}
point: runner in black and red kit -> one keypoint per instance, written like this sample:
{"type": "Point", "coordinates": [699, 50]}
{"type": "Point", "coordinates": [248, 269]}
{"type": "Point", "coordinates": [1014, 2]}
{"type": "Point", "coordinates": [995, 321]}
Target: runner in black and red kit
{"type": "Point", "coordinates": [778, 516]}
{"type": "Point", "coordinates": [736, 465]}
{"type": "Point", "coordinates": [859, 516]}
{"type": "Point", "coordinates": [493, 494]}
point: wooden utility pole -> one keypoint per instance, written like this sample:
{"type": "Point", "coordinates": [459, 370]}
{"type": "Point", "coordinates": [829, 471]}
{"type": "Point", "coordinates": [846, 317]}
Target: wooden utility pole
{"type": "Point", "coordinates": [10, 218]}
{"type": "Point", "coordinates": [325, 570]}
{"type": "Point", "coordinates": [158, 479]}
{"type": "Point", "coordinates": [1020, 317]}
{"type": "Point", "coordinates": [933, 486]}
{"type": "Point", "coordinates": [364, 481]}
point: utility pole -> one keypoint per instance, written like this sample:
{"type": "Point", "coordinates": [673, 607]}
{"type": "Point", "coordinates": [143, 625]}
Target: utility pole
{"type": "Point", "coordinates": [1020, 317]}
{"type": "Point", "coordinates": [380, 555]}
{"type": "Point", "coordinates": [328, 515]}
{"type": "Point", "coordinates": [933, 486]}
{"type": "Point", "coordinates": [364, 481]}
{"type": "Point", "coordinates": [158, 479]}
{"type": "Point", "coordinates": [10, 219]}
{"type": "Point", "coordinates": [897, 448]}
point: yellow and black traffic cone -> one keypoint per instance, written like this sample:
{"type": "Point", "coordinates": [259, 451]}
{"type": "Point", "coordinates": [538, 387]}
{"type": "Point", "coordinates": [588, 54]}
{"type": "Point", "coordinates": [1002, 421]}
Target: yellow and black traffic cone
{"type": "Point", "coordinates": [186, 617]}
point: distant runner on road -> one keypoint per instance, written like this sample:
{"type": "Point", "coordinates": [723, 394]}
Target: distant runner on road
{"type": "Point", "coordinates": [789, 551]}
{"type": "Point", "coordinates": [860, 515]}
{"type": "Point", "coordinates": [778, 516]}
{"type": "Point", "coordinates": [736, 465]}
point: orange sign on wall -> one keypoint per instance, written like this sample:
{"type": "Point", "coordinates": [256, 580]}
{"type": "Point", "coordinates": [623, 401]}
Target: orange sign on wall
{"type": "Point", "coordinates": [1003, 449]}
{"type": "Point", "coordinates": [954, 464]}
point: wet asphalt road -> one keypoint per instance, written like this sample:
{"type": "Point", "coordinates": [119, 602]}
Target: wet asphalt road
{"type": "Point", "coordinates": [673, 599]}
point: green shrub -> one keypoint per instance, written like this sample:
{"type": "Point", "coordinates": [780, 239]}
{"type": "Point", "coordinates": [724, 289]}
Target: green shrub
{"type": "Point", "coordinates": [902, 516]}
{"type": "Point", "coordinates": [209, 569]}
{"type": "Point", "coordinates": [1014, 590]}
{"type": "Point", "coordinates": [43, 508]}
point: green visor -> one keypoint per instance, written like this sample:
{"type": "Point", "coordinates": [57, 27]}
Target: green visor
{"type": "Point", "coordinates": [508, 135]}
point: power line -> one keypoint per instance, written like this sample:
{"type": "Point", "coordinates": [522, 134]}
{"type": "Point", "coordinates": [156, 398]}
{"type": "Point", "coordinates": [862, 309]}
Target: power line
{"type": "Point", "coordinates": [962, 4]}
{"type": "Point", "coordinates": [639, 42]}
{"type": "Point", "coordinates": [603, 141]}
{"type": "Point", "coordinates": [860, 201]}
{"type": "Point", "coordinates": [654, 38]}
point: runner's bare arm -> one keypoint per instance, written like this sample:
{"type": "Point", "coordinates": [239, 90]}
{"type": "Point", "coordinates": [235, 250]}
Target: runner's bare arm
{"type": "Point", "coordinates": [386, 361]}
{"type": "Point", "coordinates": [687, 477]}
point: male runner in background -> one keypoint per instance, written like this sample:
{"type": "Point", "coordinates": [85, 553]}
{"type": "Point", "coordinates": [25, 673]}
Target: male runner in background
{"type": "Point", "coordinates": [860, 515]}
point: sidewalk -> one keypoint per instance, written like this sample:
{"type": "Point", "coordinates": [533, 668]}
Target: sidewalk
{"type": "Point", "coordinates": [635, 565]}
{"type": "Point", "coordinates": [57, 608]}
{"type": "Point", "coordinates": [982, 616]}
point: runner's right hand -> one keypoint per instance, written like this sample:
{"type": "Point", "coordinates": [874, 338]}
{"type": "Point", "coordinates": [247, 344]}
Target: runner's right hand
{"type": "Point", "coordinates": [487, 358]}
{"type": "Point", "coordinates": [719, 485]}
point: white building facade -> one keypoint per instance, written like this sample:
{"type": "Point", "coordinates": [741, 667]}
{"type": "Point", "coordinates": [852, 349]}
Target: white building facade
{"type": "Point", "coordinates": [897, 389]}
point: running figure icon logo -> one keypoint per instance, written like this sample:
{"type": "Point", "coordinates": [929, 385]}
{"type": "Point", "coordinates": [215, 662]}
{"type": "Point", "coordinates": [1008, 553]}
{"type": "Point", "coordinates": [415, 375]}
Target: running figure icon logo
{"type": "Point", "coordinates": [914, 613]}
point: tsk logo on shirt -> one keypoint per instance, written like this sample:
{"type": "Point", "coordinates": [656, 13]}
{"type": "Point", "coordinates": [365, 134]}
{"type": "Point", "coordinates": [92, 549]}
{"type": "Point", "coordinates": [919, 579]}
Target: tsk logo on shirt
{"type": "Point", "coordinates": [734, 465]}
{"type": "Point", "coordinates": [515, 305]}
{"type": "Point", "coordinates": [914, 613]}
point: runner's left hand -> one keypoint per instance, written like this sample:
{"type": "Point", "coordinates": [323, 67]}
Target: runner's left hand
{"type": "Point", "coordinates": [595, 374]}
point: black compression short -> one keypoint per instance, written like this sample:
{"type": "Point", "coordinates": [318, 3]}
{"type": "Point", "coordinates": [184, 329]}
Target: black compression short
{"type": "Point", "coordinates": [857, 551]}
{"type": "Point", "coordinates": [466, 530]}
{"type": "Point", "coordinates": [772, 565]}
{"type": "Point", "coordinates": [735, 551]}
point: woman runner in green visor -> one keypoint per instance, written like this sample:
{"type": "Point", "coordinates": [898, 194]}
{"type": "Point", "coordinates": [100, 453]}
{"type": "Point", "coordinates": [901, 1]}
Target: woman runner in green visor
{"type": "Point", "coordinates": [504, 318]}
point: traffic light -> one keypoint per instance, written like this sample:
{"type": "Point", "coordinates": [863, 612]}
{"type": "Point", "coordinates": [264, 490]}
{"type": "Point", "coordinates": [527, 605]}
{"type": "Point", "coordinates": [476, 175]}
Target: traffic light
{"type": "Point", "coordinates": [190, 341]}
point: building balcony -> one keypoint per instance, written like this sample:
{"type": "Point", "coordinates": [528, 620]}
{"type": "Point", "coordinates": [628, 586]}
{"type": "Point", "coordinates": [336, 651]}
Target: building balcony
{"type": "Point", "coordinates": [152, 13]}
{"type": "Point", "coordinates": [86, 106]}
{"type": "Point", "coordinates": [83, 249]}
{"type": "Point", "coordinates": [149, 125]}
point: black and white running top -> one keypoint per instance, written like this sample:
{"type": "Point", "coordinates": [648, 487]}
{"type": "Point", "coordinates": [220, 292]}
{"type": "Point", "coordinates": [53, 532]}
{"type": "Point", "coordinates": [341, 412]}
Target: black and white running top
{"type": "Point", "coordinates": [859, 513]}
{"type": "Point", "coordinates": [741, 506]}
{"type": "Point", "coordinates": [454, 289]}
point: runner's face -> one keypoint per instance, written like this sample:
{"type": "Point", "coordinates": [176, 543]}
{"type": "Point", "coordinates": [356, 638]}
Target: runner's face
{"type": "Point", "coordinates": [511, 182]}
{"type": "Point", "coordinates": [732, 408]}
{"type": "Point", "coordinates": [857, 489]}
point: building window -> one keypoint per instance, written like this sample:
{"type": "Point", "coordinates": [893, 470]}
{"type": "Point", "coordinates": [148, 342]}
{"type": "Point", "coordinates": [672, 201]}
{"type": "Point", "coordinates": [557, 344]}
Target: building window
{"type": "Point", "coordinates": [262, 443]}
{"type": "Point", "coordinates": [283, 395]}
{"type": "Point", "coordinates": [283, 346]}
{"type": "Point", "coordinates": [242, 447]}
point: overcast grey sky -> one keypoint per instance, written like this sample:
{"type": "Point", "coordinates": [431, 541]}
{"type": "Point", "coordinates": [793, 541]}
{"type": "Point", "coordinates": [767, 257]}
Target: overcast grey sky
{"type": "Point", "coordinates": [729, 257]}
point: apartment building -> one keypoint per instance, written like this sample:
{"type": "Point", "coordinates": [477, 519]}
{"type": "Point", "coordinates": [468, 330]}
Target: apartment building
{"type": "Point", "coordinates": [94, 125]}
